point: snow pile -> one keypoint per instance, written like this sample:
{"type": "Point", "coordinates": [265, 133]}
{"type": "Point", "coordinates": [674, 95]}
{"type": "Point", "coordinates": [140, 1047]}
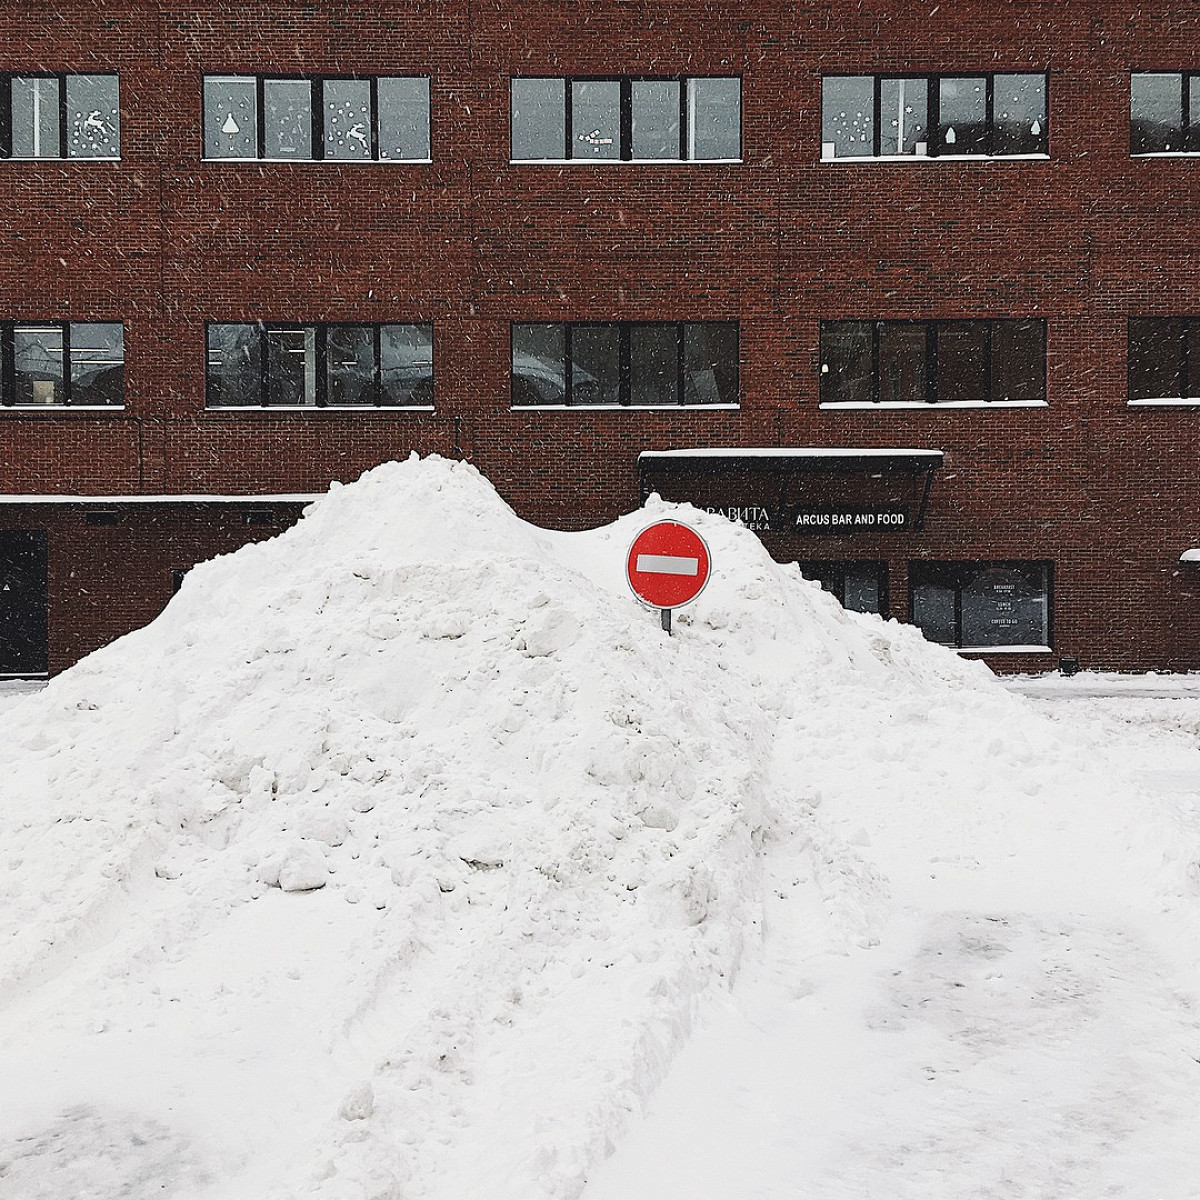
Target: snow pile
{"type": "Point", "coordinates": [396, 858]}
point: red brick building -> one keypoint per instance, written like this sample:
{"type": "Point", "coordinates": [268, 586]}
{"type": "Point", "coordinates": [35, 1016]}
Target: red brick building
{"type": "Point", "coordinates": [934, 265]}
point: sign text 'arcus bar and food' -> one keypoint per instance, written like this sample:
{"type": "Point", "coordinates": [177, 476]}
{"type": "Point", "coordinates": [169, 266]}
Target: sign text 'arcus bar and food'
{"type": "Point", "coordinates": [850, 520]}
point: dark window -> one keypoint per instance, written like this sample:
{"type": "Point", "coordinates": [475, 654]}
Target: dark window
{"type": "Point", "coordinates": [1164, 358]}
{"type": "Point", "coordinates": [269, 364]}
{"type": "Point", "coordinates": [980, 606]}
{"type": "Point", "coordinates": [878, 116]}
{"type": "Point", "coordinates": [60, 116]}
{"type": "Point", "coordinates": [384, 118]}
{"type": "Point", "coordinates": [1164, 113]}
{"type": "Point", "coordinates": [23, 603]}
{"type": "Point", "coordinates": [929, 362]}
{"type": "Point", "coordinates": [859, 586]}
{"type": "Point", "coordinates": [61, 362]}
{"type": "Point", "coordinates": [626, 118]}
{"type": "Point", "coordinates": [846, 362]}
{"type": "Point", "coordinates": [625, 363]}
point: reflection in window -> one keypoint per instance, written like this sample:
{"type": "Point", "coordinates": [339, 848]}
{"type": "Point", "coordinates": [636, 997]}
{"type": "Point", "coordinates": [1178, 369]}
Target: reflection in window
{"type": "Point", "coordinates": [656, 109]}
{"type": "Point", "coordinates": [876, 116]}
{"type": "Point", "coordinates": [319, 366]}
{"type": "Point", "coordinates": [1164, 113]}
{"type": "Point", "coordinates": [360, 120]}
{"type": "Point", "coordinates": [1164, 358]}
{"type": "Point", "coordinates": [858, 586]}
{"type": "Point", "coordinates": [980, 606]}
{"type": "Point", "coordinates": [625, 363]}
{"type": "Point", "coordinates": [63, 363]}
{"type": "Point", "coordinates": [915, 362]}
{"type": "Point", "coordinates": [60, 116]}
{"type": "Point", "coordinates": [698, 119]}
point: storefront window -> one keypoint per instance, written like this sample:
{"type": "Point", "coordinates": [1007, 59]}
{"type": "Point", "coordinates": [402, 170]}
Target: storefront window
{"type": "Point", "coordinates": [859, 586]}
{"type": "Point", "coordinates": [980, 606]}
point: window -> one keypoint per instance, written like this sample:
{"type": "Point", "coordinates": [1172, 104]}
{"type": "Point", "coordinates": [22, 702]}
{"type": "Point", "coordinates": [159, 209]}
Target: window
{"type": "Point", "coordinates": [982, 606]}
{"type": "Point", "coordinates": [1164, 113]}
{"type": "Point", "coordinates": [62, 363]}
{"type": "Point", "coordinates": [652, 365]}
{"type": "Point", "coordinates": [877, 116]}
{"type": "Point", "coordinates": [59, 116]}
{"type": "Point", "coordinates": [933, 362]}
{"type": "Point", "coordinates": [269, 365]}
{"type": "Point", "coordinates": [859, 586]}
{"type": "Point", "coordinates": [1164, 358]}
{"type": "Point", "coordinates": [380, 119]}
{"type": "Point", "coordinates": [594, 120]}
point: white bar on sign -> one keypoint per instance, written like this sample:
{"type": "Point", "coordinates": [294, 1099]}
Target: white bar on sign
{"type": "Point", "coordinates": [667, 564]}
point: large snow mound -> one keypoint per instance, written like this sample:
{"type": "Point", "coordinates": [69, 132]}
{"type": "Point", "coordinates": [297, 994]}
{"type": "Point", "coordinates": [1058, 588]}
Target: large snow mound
{"type": "Point", "coordinates": [396, 858]}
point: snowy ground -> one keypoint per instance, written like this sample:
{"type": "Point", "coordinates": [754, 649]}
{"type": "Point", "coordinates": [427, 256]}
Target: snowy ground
{"type": "Point", "coordinates": [1025, 1046]}
{"type": "Point", "coordinates": [405, 858]}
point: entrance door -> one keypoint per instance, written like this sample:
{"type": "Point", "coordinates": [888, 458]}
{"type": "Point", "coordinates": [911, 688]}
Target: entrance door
{"type": "Point", "coordinates": [23, 603]}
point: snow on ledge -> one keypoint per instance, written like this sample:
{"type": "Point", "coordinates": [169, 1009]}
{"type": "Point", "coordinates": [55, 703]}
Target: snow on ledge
{"type": "Point", "coordinates": [790, 452]}
{"type": "Point", "coordinates": [1190, 556]}
{"type": "Point", "coordinates": [274, 498]}
{"type": "Point", "coordinates": [932, 405]}
{"type": "Point", "coordinates": [1005, 650]}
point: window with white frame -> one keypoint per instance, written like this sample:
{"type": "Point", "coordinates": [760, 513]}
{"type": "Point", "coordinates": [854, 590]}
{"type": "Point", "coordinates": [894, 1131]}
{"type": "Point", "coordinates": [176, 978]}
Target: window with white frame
{"type": "Point", "coordinates": [375, 119]}
{"type": "Point", "coordinates": [60, 116]}
{"type": "Point", "coordinates": [934, 116]}
{"type": "Point", "coordinates": [270, 364]}
{"type": "Point", "coordinates": [1164, 112]}
{"type": "Point", "coordinates": [982, 605]}
{"type": "Point", "coordinates": [78, 364]}
{"type": "Point", "coordinates": [626, 119]}
{"type": "Point", "coordinates": [933, 362]}
{"type": "Point", "coordinates": [641, 364]}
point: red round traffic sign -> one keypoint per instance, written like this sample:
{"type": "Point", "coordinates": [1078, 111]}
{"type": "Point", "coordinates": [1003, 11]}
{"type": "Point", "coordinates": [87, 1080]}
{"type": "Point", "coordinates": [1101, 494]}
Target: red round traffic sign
{"type": "Point", "coordinates": [668, 565]}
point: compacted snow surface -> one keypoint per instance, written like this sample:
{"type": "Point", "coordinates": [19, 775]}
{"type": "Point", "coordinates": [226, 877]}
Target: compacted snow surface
{"type": "Point", "coordinates": [405, 858]}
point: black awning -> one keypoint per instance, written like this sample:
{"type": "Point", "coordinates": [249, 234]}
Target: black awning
{"type": "Point", "coordinates": [669, 471]}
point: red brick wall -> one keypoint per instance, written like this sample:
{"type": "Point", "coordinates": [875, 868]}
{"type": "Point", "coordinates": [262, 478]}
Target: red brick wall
{"type": "Point", "coordinates": [165, 242]}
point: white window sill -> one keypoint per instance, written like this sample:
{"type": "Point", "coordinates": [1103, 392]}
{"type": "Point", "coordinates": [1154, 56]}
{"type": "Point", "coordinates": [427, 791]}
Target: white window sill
{"type": "Point", "coordinates": [636, 408]}
{"type": "Point", "coordinates": [72, 158]}
{"type": "Point", "coordinates": [1167, 154]}
{"type": "Point", "coordinates": [315, 411]}
{"type": "Point", "coordinates": [1165, 402]}
{"type": "Point", "coordinates": [936, 158]}
{"type": "Point", "coordinates": [324, 162]}
{"type": "Point", "coordinates": [1004, 650]}
{"type": "Point", "coordinates": [935, 406]}
{"type": "Point", "coordinates": [624, 162]}
{"type": "Point", "coordinates": [59, 409]}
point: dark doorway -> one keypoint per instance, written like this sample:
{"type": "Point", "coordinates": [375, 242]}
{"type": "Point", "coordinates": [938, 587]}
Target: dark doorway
{"type": "Point", "coordinates": [22, 603]}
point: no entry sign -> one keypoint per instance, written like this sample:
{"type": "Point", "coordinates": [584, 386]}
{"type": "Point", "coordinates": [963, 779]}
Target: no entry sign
{"type": "Point", "coordinates": [668, 565]}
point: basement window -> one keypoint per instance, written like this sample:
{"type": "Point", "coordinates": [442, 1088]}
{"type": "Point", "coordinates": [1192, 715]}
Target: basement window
{"type": "Point", "coordinates": [374, 119]}
{"type": "Point", "coordinates": [934, 116]}
{"type": "Point", "coordinates": [625, 364]}
{"type": "Point", "coordinates": [60, 116]}
{"type": "Point", "coordinates": [626, 119]}
{"type": "Point", "coordinates": [276, 365]}
{"type": "Point", "coordinates": [983, 606]}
